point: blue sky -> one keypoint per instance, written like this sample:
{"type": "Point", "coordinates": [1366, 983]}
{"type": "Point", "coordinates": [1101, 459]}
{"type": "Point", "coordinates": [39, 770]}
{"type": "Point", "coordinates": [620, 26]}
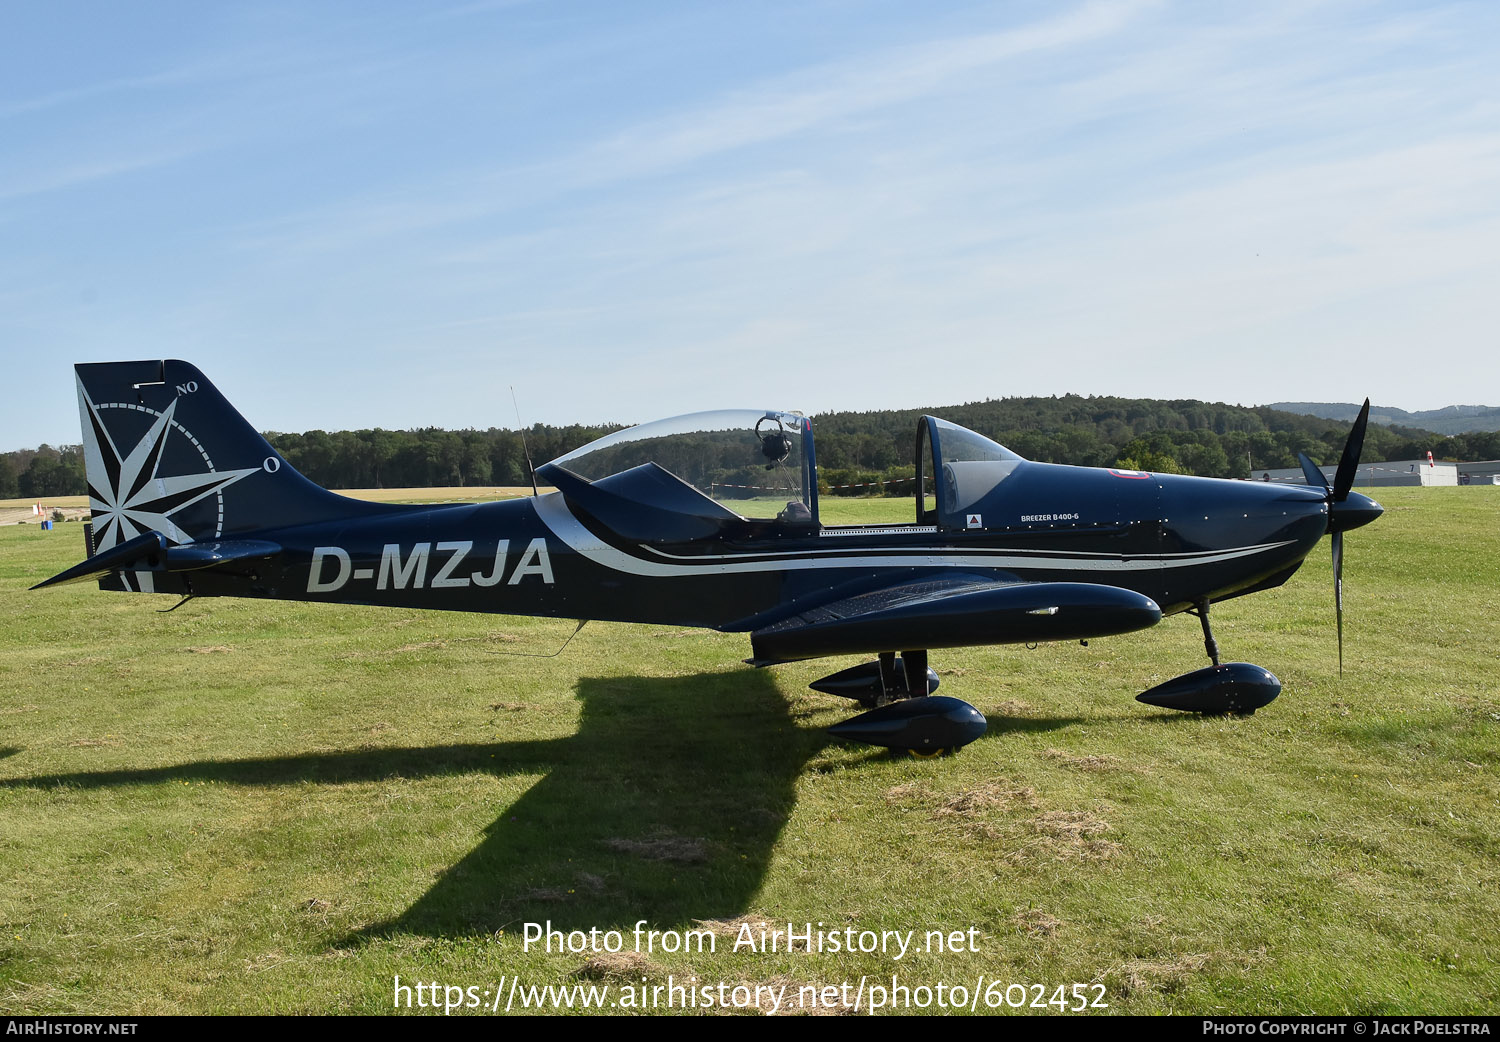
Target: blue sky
{"type": "Point", "coordinates": [367, 214]}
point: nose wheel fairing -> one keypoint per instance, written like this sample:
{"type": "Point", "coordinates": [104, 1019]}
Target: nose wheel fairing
{"type": "Point", "coordinates": [1221, 689]}
{"type": "Point", "coordinates": [1238, 688]}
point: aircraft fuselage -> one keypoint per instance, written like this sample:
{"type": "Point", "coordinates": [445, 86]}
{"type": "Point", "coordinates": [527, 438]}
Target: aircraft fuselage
{"type": "Point", "coordinates": [1177, 540]}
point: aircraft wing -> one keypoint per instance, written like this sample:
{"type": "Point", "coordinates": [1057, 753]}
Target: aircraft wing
{"type": "Point", "coordinates": [960, 611]}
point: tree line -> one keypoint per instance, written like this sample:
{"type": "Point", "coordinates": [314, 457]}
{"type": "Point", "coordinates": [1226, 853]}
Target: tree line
{"type": "Point", "coordinates": [860, 449]}
{"type": "Point", "coordinates": [1171, 437]}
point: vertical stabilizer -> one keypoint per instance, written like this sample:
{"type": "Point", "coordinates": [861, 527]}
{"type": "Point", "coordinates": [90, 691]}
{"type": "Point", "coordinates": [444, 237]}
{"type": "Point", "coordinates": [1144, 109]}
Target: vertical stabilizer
{"type": "Point", "coordinates": [165, 452]}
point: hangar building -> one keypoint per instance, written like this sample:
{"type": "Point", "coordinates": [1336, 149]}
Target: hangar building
{"type": "Point", "coordinates": [1370, 475]}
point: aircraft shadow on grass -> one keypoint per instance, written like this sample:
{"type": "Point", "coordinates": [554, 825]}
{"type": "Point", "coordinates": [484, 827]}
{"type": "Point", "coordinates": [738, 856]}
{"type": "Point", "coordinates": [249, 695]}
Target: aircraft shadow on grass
{"type": "Point", "coordinates": [665, 805]}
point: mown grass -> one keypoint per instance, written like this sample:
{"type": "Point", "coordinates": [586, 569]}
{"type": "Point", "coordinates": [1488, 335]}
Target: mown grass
{"type": "Point", "coordinates": [259, 807]}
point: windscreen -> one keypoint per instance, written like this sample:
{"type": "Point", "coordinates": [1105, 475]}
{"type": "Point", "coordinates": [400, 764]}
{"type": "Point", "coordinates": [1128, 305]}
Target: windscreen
{"type": "Point", "coordinates": [751, 462]}
{"type": "Point", "coordinates": [972, 467]}
{"type": "Point", "coordinates": [961, 445]}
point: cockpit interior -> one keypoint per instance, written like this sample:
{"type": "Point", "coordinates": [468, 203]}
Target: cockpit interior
{"type": "Point", "coordinates": [731, 466]}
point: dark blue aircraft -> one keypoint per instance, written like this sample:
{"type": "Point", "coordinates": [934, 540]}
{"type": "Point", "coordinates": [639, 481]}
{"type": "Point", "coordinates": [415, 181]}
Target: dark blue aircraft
{"type": "Point", "coordinates": [712, 520]}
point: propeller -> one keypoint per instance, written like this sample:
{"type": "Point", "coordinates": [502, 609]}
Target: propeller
{"type": "Point", "coordinates": [1343, 513]}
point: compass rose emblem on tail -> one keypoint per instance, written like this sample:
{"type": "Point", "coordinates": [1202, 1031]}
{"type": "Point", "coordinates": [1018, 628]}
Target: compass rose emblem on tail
{"type": "Point", "coordinates": [128, 493]}
{"type": "Point", "coordinates": [176, 476]}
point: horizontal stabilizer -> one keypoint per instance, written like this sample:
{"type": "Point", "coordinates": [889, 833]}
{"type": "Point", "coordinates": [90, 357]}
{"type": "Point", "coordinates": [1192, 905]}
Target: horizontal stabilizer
{"type": "Point", "coordinates": [192, 556]}
{"type": "Point", "coordinates": [955, 613]}
{"type": "Point", "coordinates": [150, 553]}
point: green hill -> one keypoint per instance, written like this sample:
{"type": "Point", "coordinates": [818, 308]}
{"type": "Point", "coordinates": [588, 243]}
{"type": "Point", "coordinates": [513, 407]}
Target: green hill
{"type": "Point", "coordinates": [1451, 419]}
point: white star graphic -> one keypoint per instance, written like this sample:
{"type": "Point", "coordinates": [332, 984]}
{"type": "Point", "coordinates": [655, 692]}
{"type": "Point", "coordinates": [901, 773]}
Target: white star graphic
{"type": "Point", "coordinates": [127, 495]}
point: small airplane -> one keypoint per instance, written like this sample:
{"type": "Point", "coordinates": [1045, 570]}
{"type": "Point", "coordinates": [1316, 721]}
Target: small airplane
{"type": "Point", "coordinates": [711, 520]}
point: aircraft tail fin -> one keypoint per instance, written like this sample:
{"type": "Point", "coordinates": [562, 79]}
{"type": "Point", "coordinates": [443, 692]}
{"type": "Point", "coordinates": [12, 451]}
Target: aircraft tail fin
{"type": "Point", "coordinates": [165, 452]}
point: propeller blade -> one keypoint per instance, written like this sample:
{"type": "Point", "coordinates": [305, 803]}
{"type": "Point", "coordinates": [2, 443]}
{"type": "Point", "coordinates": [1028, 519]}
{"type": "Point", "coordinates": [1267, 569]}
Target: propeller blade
{"type": "Point", "coordinates": [1312, 472]}
{"type": "Point", "coordinates": [1338, 591]}
{"type": "Point", "coordinates": [1343, 481]}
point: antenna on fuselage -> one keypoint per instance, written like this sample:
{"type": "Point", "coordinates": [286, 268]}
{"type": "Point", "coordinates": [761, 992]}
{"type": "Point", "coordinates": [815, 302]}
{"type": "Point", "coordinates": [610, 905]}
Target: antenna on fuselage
{"type": "Point", "coordinates": [524, 450]}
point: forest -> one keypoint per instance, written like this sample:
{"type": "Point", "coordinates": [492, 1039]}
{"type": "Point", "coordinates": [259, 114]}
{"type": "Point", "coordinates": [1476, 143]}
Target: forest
{"type": "Point", "coordinates": [858, 452]}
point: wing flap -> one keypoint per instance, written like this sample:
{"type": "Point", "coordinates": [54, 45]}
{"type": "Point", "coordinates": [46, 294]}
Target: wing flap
{"type": "Point", "coordinates": [952, 614]}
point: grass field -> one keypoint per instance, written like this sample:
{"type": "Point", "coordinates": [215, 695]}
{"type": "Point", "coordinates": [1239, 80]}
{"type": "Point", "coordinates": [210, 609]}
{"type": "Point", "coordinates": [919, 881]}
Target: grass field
{"type": "Point", "coordinates": [263, 807]}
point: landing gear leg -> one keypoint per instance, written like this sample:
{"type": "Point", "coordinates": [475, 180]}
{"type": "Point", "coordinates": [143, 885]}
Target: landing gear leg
{"type": "Point", "coordinates": [914, 665]}
{"type": "Point", "coordinates": [892, 682]}
{"type": "Point", "coordinates": [889, 679]}
{"type": "Point", "coordinates": [1209, 644]}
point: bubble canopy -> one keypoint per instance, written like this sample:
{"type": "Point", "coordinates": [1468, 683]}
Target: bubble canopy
{"type": "Point", "coordinates": [756, 463]}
